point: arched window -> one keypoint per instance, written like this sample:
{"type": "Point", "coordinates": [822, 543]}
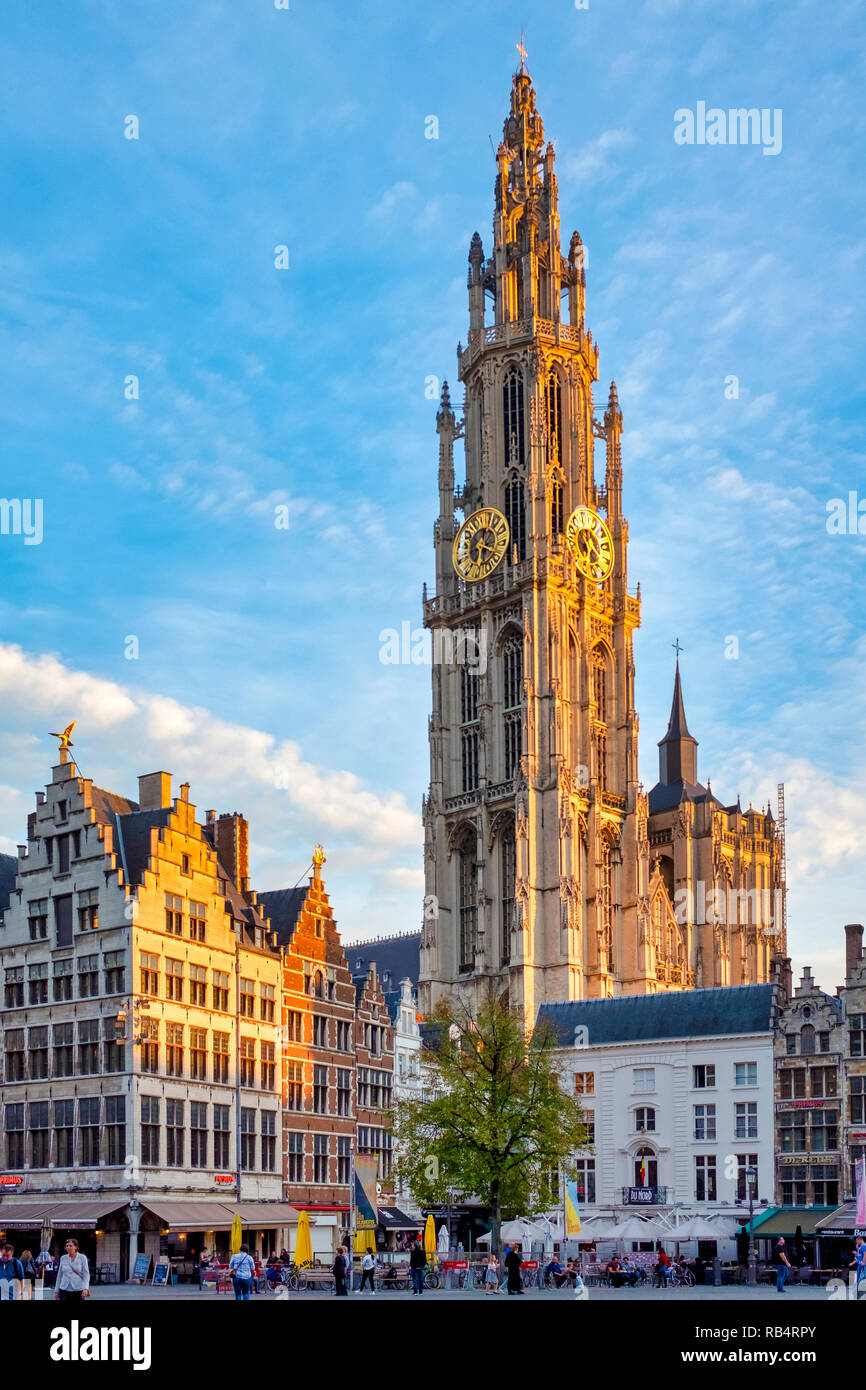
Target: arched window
{"type": "Point", "coordinates": [599, 684]}
{"type": "Point", "coordinates": [557, 506]}
{"type": "Point", "coordinates": [512, 672]}
{"type": "Point", "coordinates": [468, 898]}
{"type": "Point", "coordinates": [508, 859]}
{"type": "Point", "coordinates": [316, 985]}
{"type": "Point", "coordinates": [468, 694]}
{"type": "Point", "coordinates": [515, 515]}
{"type": "Point", "coordinates": [554, 417]}
{"type": "Point", "coordinates": [512, 410]}
{"type": "Point", "coordinates": [646, 1167]}
{"type": "Point", "coordinates": [807, 1039]}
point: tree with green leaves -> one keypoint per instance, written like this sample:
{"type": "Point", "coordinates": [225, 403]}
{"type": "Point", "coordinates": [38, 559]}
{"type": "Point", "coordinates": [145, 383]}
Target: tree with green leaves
{"type": "Point", "coordinates": [499, 1126]}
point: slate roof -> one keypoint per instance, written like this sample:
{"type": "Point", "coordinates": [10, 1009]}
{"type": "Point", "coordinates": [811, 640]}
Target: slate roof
{"type": "Point", "coordinates": [677, 726]}
{"type": "Point", "coordinates": [397, 958]}
{"type": "Point", "coordinates": [8, 871]}
{"type": "Point", "coordinates": [691, 1013]}
{"type": "Point", "coordinates": [283, 906]}
{"type": "Point", "coordinates": [108, 804]}
{"type": "Point", "coordinates": [135, 828]}
{"type": "Point", "coordinates": [666, 795]}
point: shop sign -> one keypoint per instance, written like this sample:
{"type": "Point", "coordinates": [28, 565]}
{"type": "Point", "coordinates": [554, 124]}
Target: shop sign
{"type": "Point", "coordinates": [224, 1179]}
{"type": "Point", "coordinates": [10, 1180]}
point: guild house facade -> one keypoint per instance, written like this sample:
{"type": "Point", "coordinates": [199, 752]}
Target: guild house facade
{"type": "Point", "coordinates": [550, 873]}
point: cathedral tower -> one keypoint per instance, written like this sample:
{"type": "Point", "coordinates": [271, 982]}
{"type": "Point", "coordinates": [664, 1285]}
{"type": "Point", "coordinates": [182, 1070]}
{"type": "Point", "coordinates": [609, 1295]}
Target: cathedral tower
{"type": "Point", "coordinates": [536, 848]}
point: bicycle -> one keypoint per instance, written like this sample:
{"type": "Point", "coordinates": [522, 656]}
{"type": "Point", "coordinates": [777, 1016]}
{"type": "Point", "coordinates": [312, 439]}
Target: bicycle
{"type": "Point", "coordinates": [432, 1279]}
{"type": "Point", "coordinates": [681, 1278]}
{"type": "Point", "coordinates": [287, 1279]}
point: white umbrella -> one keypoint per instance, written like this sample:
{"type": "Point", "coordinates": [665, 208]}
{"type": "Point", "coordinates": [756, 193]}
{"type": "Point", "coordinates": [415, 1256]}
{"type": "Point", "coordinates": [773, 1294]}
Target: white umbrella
{"type": "Point", "coordinates": [635, 1228]}
{"type": "Point", "coordinates": [442, 1243]}
{"type": "Point", "coordinates": [698, 1228]}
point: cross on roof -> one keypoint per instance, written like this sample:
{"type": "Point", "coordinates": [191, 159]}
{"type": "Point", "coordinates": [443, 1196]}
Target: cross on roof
{"type": "Point", "coordinates": [677, 648]}
{"type": "Point", "coordinates": [522, 51]}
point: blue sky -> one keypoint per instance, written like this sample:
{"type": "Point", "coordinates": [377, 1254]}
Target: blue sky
{"type": "Point", "coordinates": [259, 648]}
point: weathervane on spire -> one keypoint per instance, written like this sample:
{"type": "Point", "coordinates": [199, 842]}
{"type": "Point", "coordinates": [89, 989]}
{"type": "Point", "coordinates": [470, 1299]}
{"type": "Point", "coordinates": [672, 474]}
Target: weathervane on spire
{"type": "Point", "coordinates": [522, 51]}
{"type": "Point", "coordinates": [677, 648]}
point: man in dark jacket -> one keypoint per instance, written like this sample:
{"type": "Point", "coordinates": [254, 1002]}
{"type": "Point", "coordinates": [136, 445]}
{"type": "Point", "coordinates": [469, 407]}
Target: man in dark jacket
{"type": "Point", "coordinates": [11, 1274]}
{"type": "Point", "coordinates": [512, 1264]}
{"type": "Point", "coordinates": [417, 1266]}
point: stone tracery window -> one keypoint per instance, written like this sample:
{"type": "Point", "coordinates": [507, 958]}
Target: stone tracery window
{"type": "Point", "coordinates": [554, 417]}
{"type": "Point", "coordinates": [468, 900]}
{"type": "Point", "coordinates": [513, 418]}
{"type": "Point", "coordinates": [515, 515]}
{"type": "Point", "coordinates": [508, 860]}
{"type": "Point", "coordinates": [512, 673]}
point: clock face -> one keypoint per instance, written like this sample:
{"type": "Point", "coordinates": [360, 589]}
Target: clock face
{"type": "Point", "coordinates": [480, 544]}
{"type": "Point", "coordinates": [590, 543]}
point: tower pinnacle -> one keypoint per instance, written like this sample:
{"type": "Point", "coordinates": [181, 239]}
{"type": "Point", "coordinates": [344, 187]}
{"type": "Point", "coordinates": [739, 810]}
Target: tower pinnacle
{"type": "Point", "coordinates": [678, 751]}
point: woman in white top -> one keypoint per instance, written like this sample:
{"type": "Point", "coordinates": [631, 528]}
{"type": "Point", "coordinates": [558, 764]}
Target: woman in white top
{"type": "Point", "coordinates": [73, 1275]}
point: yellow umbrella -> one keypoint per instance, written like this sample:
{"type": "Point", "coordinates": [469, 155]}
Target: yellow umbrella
{"type": "Point", "coordinates": [430, 1239]}
{"type": "Point", "coordinates": [303, 1244]}
{"type": "Point", "coordinates": [236, 1235]}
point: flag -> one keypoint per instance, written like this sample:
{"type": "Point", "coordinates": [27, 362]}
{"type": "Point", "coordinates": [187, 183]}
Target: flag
{"type": "Point", "coordinates": [572, 1213]}
{"type": "Point", "coordinates": [861, 1192]}
{"type": "Point", "coordinates": [643, 1172]}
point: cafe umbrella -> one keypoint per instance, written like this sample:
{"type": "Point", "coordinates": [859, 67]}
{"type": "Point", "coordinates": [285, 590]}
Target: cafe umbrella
{"type": "Point", "coordinates": [430, 1239]}
{"type": "Point", "coordinates": [236, 1238]}
{"type": "Point", "coordinates": [303, 1243]}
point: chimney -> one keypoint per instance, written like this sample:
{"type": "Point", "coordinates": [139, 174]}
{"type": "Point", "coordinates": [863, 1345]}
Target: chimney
{"type": "Point", "coordinates": [154, 791]}
{"type": "Point", "coordinates": [232, 846]}
{"type": "Point", "coordinates": [853, 946]}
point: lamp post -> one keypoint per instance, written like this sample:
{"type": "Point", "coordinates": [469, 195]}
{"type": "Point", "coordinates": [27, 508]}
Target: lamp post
{"type": "Point", "coordinates": [751, 1178]}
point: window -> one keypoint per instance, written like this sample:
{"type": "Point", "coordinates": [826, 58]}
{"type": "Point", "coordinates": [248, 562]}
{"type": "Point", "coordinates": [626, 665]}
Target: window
{"type": "Point", "coordinates": [268, 1066]}
{"type": "Point", "coordinates": [37, 919]}
{"type": "Point", "coordinates": [644, 1079]}
{"type": "Point", "coordinates": [792, 1083]}
{"type": "Point", "coordinates": [294, 1086]}
{"type": "Point", "coordinates": [15, 1054]}
{"type": "Point", "coordinates": [184, 864]}
{"type": "Point", "coordinates": [364, 1086]}
{"type": "Point", "coordinates": [744, 1163]}
{"type": "Point", "coordinates": [248, 999]}
{"type": "Point", "coordinates": [115, 1129]}
{"type": "Point", "coordinates": [198, 1134]}
{"type": "Point", "coordinates": [746, 1120]}
{"type": "Point", "coordinates": [221, 1057]}
{"type": "Point", "coordinates": [792, 1131]}
{"type": "Point", "coordinates": [248, 1061]}
{"type": "Point", "coordinates": [197, 921]}
{"type": "Point", "coordinates": [38, 979]}
{"type": "Point", "coordinates": [320, 1030]}
{"type": "Point", "coordinates": [468, 694]}
{"type": "Point", "coordinates": [468, 871]}
{"type": "Point", "coordinates": [14, 981]}
{"type": "Point", "coordinates": [857, 1035]}
{"type": "Point", "coordinates": [295, 1157]}
{"type": "Point", "coordinates": [64, 1064]}
{"type": "Point", "coordinates": [174, 1049]}
{"type": "Point", "coordinates": [150, 1130]}
{"type": "Point", "coordinates": [317, 985]}
{"type": "Point", "coordinates": [512, 416]}
{"type": "Point", "coordinates": [513, 731]}
{"type": "Point", "coordinates": [248, 1138]}
{"type": "Point", "coordinates": [198, 986]}
{"type": "Point", "coordinates": [646, 1168]}
{"type": "Point", "coordinates": [745, 1073]}
{"type": "Point", "coordinates": [174, 980]}
{"type": "Point", "coordinates": [150, 1045]}
{"type": "Point", "coordinates": [88, 909]}
{"type": "Point", "coordinates": [344, 1160]}
{"type": "Point", "coordinates": [88, 1047]}
{"type": "Point", "coordinates": [825, 1131]}
{"type": "Point", "coordinates": [825, 1186]}
{"type": "Point", "coordinates": [823, 1082]}
{"type": "Point", "coordinates": [794, 1185]}
{"type": "Point", "coordinates": [149, 974]}
{"type": "Point", "coordinates": [344, 1036]}
{"type": "Point", "coordinates": [589, 1121]}
{"type": "Point", "coordinates": [645, 1119]}
{"type": "Point", "coordinates": [62, 842]}
{"type": "Point", "coordinates": [823, 1042]}
{"type": "Point", "coordinates": [344, 1091]}
{"type": "Point", "coordinates": [88, 977]}
{"type": "Point", "coordinates": [469, 758]}
{"type": "Point", "coordinates": [320, 1090]}
{"type": "Point", "coordinates": [114, 966]}
{"type": "Point", "coordinates": [320, 1158]}
{"type": "Point", "coordinates": [64, 1133]}
{"type": "Point", "coordinates": [221, 991]}
{"type": "Point", "coordinates": [704, 1078]}
{"type": "Point", "coordinates": [63, 920]}
{"type": "Point", "coordinates": [807, 1039]}
{"type": "Point", "coordinates": [857, 1101]}
{"type": "Point", "coordinates": [269, 1141]}
{"type": "Point", "coordinates": [705, 1178]}
{"type": "Point", "coordinates": [15, 1136]}
{"type": "Point", "coordinates": [88, 1123]}
{"type": "Point", "coordinates": [198, 1054]}
{"type": "Point", "coordinates": [114, 1050]}
{"type": "Point", "coordinates": [174, 914]}
{"type": "Point", "coordinates": [293, 1026]}
{"type": "Point", "coordinates": [221, 1136]}
{"type": "Point", "coordinates": [38, 1117]}
{"type": "Point", "coordinates": [508, 853]}
{"type": "Point", "coordinates": [790, 1044]}
{"type": "Point", "coordinates": [584, 1173]}
{"type": "Point", "coordinates": [38, 1048]}
{"type": "Point", "coordinates": [584, 1083]}
{"type": "Point", "coordinates": [267, 1003]}
{"type": "Point", "coordinates": [174, 1133]}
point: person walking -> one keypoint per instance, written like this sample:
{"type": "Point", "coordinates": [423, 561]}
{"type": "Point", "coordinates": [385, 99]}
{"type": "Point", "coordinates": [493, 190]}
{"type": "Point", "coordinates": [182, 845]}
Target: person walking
{"type": "Point", "coordinates": [512, 1264]}
{"type": "Point", "coordinates": [11, 1274]}
{"type": "Point", "coordinates": [242, 1272]}
{"type": "Point", "coordinates": [859, 1262]}
{"type": "Point", "coordinates": [368, 1265]}
{"type": "Point", "coordinates": [31, 1272]}
{"type": "Point", "coordinates": [73, 1275]}
{"type": "Point", "coordinates": [338, 1269]}
{"type": "Point", "coordinates": [417, 1266]}
{"type": "Point", "coordinates": [491, 1276]}
{"type": "Point", "coordinates": [783, 1264]}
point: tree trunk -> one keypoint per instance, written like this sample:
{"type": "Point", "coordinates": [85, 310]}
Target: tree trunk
{"type": "Point", "coordinates": [495, 1221]}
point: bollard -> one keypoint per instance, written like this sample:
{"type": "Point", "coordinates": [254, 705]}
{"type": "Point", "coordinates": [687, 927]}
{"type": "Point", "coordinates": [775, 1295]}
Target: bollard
{"type": "Point", "coordinates": [717, 1271]}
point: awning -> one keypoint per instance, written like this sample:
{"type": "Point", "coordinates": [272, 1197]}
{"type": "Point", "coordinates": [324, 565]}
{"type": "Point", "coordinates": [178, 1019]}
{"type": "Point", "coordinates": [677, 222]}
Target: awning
{"type": "Point", "coordinates": [393, 1219]}
{"type": "Point", "coordinates": [841, 1222]}
{"type": "Point", "coordinates": [22, 1216]}
{"type": "Point", "coordinates": [69, 1216]}
{"type": "Point", "coordinates": [265, 1214]}
{"type": "Point", "coordinates": [190, 1216]}
{"type": "Point", "coordinates": [783, 1221]}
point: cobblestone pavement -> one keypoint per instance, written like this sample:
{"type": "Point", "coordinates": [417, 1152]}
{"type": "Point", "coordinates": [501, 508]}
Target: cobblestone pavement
{"type": "Point", "coordinates": [702, 1294]}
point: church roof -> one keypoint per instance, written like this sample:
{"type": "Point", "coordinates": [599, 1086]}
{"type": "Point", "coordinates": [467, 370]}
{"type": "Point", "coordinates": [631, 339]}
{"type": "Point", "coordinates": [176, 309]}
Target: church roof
{"type": "Point", "coordinates": [284, 907]}
{"type": "Point", "coordinates": [396, 958]}
{"type": "Point", "coordinates": [677, 726]}
{"type": "Point", "coordinates": [666, 795]}
{"type": "Point", "coordinates": [690, 1013]}
{"type": "Point", "coordinates": [8, 872]}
